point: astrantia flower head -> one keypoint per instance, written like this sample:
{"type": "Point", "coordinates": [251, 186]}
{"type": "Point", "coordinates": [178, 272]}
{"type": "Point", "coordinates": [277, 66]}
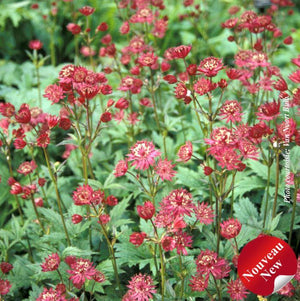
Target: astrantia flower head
{"type": "Point", "coordinates": [237, 290]}
{"type": "Point", "coordinates": [6, 267]}
{"type": "Point", "coordinates": [231, 110]}
{"type": "Point", "coordinates": [143, 154]}
{"type": "Point", "coordinates": [180, 52]}
{"type": "Point", "coordinates": [164, 169]}
{"type": "Point", "coordinates": [203, 86]}
{"type": "Point", "coordinates": [209, 262]}
{"type": "Point", "coordinates": [83, 195]}
{"type": "Point", "coordinates": [27, 167]}
{"type": "Point", "coordinates": [4, 287]}
{"type": "Point", "coordinates": [230, 228]}
{"type": "Point", "coordinates": [185, 152]}
{"type": "Point", "coordinates": [168, 243]}
{"type": "Point", "coordinates": [81, 270]}
{"type": "Point", "coordinates": [179, 202]}
{"type": "Point", "coordinates": [182, 241]}
{"type": "Point", "coordinates": [147, 59]}
{"type": "Point", "coordinates": [141, 287]}
{"type": "Point", "coordinates": [269, 111]}
{"type": "Point", "coordinates": [24, 114]}
{"type": "Point", "coordinates": [199, 283]}
{"type": "Point", "coordinates": [54, 93]}
{"type": "Point", "coordinates": [43, 140]}
{"type": "Point", "coordinates": [121, 168]}
{"type": "Point", "coordinates": [204, 213]}
{"type": "Point", "coordinates": [146, 211]}
{"type": "Point", "coordinates": [51, 263]}
{"type": "Point", "coordinates": [35, 44]}
{"type": "Point", "coordinates": [210, 66]}
{"type": "Point", "coordinates": [86, 10]}
{"type": "Point", "coordinates": [137, 238]}
{"type": "Point", "coordinates": [51, 295]}
{"type": "Point", "coordinates": [7, 109]}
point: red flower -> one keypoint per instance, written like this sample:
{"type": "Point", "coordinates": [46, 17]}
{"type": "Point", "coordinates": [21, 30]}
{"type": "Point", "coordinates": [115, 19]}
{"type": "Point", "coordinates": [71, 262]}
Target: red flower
{"type": "Point", "coordinates": [27, 167]}
{"type": "Point", "coordinates": [180, 52]}
{"type": "Point", "coordinates": [81, 270]}
{"type": "Point", "coordinates": [237, 290]}
{"type": "Point", "coordinates": [288, 40]}
{"type": "Point", "coordinates": [296, 61]}
{"type": "Point", "coordinates": [19, 143]}
{"type": "Point", "coordinates": [168, 243]}
{"type": "Point", "coordinates": [54, 93]}
{"type": "Point", "coordinates": [147, 59]}
{"type": "Point", "coordinates": [137, 238]}
{"type": "Point", "coordinates": [7, 109]}
{"type": "Point", "coordinates": [102, 27]}
{"type": "Point", "coordinates": [141, 288]}
{"type": "Point", "coordinates": [106, 117]}
{"type": "Point", "coordinates": [207, 170]}
{"type": "Point", "coordinates": [122, 103]}
{"type": "Point", "coordinates": [104, 219]}
{"type": "Point", "coordinates": [65, 123]}
{"type": "Point", "coordinates": [198, 283]}
{"type": "Point", "coordinates": [43, 140]}
{"type": "Point", "coordinates": [209, 262]}
{"type": "Point", "coordinates": [180, 91]}
{"type": "Point", "coordinates": [164, 169]}
{"type": "Point", "coordinates": [185, 152]}
{"type": "Point", "coordinates": [204, 213]}
{"type": "Point", "coordinates": [83, 195]}
{"type": "Point", "coordinates": [50, 295]}
{"type": "Point", "coordinates": [146, 211]}
{"type": "Point", "coordinates": [171, 79]}
{"type": "Point", "coordinates": [203, 86]}
{"type": "Point", "coordinates": [179, 202]}
{"type": "Point", "coordinates": [6, 267]}
{"type": "Point", "coordinates": [295, 77]}
{"type": "Point", "coordinates": [35, 44]}
{"type": "Point", "coordinates": [39, 202]}
{"type": "Point", "coordinates": [230, 228]}
{"type": "Point", "coordinates": [16, 188]}
{"type": "Point", "coordinates": [111, 200]}
{"type": "Point", "coordinates": [4, 287]}
{"type": "Point", "coordinates": [182, 241]}
{"type": "Point", "coordinates": [125, 28]}
{"type": "Point", "coordinates": [287, 290]}
{"type": "Point", "coordinates": [210, 66]}
{"type": "Point", "coordinates": [280, 85]}
{"type": "Point", "coordinates": [86, 10]}
{"type": "Point", "coordinates": [231, 110]}
{"type": "Point", "coordinates": [121, 168]}
{"type": "Point", "coordinates": [74, 28]}
{"type": "Point", "coordinates": [76, 219]}
{"type": "Point", "coordinates": [24, 115]}
{"type": "Point", "coordinates": [142, 154]}
{"type": "Point", "coordinates": [269, 111]}
{"type": "Point", "coordinates": [51, 263]}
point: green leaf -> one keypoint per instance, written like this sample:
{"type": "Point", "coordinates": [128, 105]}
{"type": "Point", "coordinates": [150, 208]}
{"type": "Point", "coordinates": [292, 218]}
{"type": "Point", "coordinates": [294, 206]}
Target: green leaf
{"type": "Point", "coordinates": [76, 252]}
{"type": "Point", "coordinates": [248, 184]}
{"type": "Point", "coordinates": [245, 211]}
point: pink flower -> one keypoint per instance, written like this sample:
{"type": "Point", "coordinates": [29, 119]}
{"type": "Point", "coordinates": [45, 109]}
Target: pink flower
{"type": "Point", "coordinates": [248, 149]}
{"type": "Point", "coordinates": [43, 140]}
{"type": "Point", "coordinates": [204, 213]}
{"type": "Point", "coordinates": [203, 86]}
{"type": "Point", "coordinates": [185, 152]}
{"type": "Point", "coordinates": [141, 287]}
{"type": "Point", "coordinates": [287, 290]}
{"type": "Point", "coordinates": [231, 111]}
{"type": "Point", "coordinates": [76, 219]}
{"type": "Point", "coordinates": [237, 290]}
{"type": "Point", "coordinates": [27, 167]}
{"type": "Point", "coordinates": [182, 241]}
{"type": "Point", "coordinates": [4, 287]}
{"type": "Point", "coordinates": [81, 270]}
{"type": "Point", "coordinates": [209, 262]}
{"type": "Point", "coordinates": [142, 154]}
{"type": "Point", "coordinates": [121, 168]}
{"type": "Point", "coordinates": [54, 93]}
{"type": "Point", "coordinates": [86, 10]}
{"type": "Point", "coordinates": [230, 228]}
{"type": "Point", "coordinates": [268, 111]}
{"type": "Point", "coordinates": [35, 44]}
{"type": "Point", "coordinates": [83, 195]}
{"type": "Point", "coordinates": [146, 211]}
{"type": "Point", "coordinates": [51, 263]}
{"type": "Point", "coordinates": [168, 243]}
{"type": "Point", "coordinates": [180, 52]}
{"type": "Point", "coordinates": [6, 267]}
{"type": "Point", "coordinates": [199, 283]}
{"type": "Point", "coordinates": [147, 59]}
{"type": "Point", "coordinates": [50, 295]}
{"type": "Point", "coordinates": [137, 238]}
{"type": "Point", "coordinates": [210, 66]}
{"type": "Point", "coordinates": [179, 202]}
{"type": "Point", "coordinates": [164, 169]}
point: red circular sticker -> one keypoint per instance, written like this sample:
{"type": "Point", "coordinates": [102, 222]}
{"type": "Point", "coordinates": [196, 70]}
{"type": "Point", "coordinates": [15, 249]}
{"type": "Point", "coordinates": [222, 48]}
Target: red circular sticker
{"type": "Point", "coordinates": [266, 264]}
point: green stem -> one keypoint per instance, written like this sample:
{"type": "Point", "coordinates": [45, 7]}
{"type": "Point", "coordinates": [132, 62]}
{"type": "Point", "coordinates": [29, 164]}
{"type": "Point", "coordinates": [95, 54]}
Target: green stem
{"type": "Point", "coordinates": [217, 288]}
{"type": "Point", "coordinates": [112, 254]}
{"type": "Point", "coordinates": [58, 198]}
{"type": "Point", "coordinates": [267, 192]}
{"type": "Point", "coordinates": [37, 213]}
{"type": "Point", "coordinates": [182, 277]}
{"type": "Point", "coordinates": [38, 84]}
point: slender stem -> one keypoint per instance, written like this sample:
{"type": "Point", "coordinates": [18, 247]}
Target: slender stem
{"type": "Point", "coordinates": [182, 277]}
{"type": "Point", "coordinates": [217, 288]}
{"type": "Point", "coordinates": [112, 253]}
{"type": "Point", "coordinates": [267, 193]}
{"type": "Point", "coordinates": [37, 213]}
{"type": "Point", "coordinates": [154, 101]}
{"type": "Point", "coordinates": [209, 294]}
{"type": "Point", "coordinates": [59, 201]}
{"type": "Point", "coordinates": [232, 195]}
{"type": "Point", "coordinates": [276, 185]}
